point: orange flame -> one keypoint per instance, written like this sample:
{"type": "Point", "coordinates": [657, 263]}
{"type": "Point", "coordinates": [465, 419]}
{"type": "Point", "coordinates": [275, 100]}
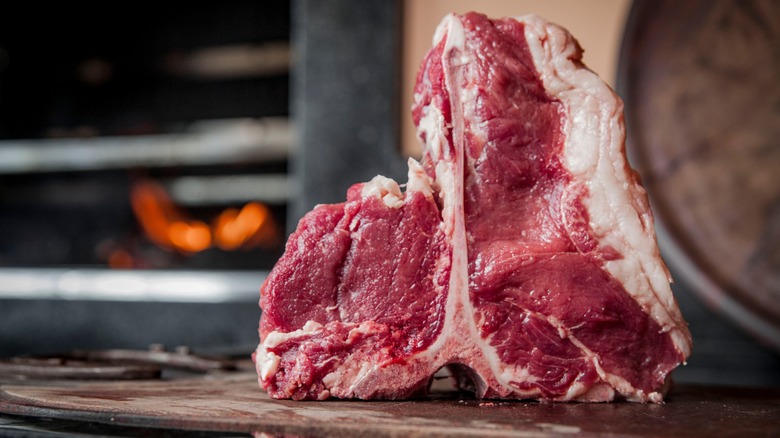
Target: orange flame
{"type": "Point", "coordinates": [170, 227]}
{"type": "Point", "coordinates": [154, 210]}
{"type": "Point", "coordinates": [194, 236]}
{"type": "Point", "coordinates": [233, 228]}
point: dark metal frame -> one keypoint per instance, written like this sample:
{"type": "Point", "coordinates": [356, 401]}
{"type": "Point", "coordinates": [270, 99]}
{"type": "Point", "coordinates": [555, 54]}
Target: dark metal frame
{"type": "Point", "coordinates": [345, 97]}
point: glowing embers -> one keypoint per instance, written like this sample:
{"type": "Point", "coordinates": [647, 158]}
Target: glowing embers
{"type": "Point", "coordinates": [172, 227]}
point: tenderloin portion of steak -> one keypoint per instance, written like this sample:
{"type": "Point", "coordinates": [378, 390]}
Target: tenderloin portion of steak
{"type": "Point", "coordinates": [522, 254]}
{"type": "Point", "coordinates": [356, 303]}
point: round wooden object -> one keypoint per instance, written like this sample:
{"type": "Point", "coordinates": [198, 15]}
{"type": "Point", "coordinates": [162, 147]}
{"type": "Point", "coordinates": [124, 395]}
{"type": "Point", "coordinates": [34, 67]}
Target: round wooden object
{"type": "Point", "coordinates": [701, 84]}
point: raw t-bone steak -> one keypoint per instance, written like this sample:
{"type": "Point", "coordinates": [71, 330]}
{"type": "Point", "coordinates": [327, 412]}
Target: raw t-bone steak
{"type": "Point", "coordinates": [521, 253]}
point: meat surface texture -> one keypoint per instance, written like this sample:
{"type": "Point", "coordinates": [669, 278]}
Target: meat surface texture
{"type": "Point", "coordinates": [521, 254]}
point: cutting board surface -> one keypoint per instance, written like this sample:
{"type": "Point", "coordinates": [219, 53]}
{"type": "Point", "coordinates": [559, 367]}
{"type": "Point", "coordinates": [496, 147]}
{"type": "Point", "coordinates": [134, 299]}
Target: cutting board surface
{"type": "Point", "coordinates": [232, 402]}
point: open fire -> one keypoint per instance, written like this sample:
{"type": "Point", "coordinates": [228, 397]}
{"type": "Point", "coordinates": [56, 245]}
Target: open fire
{"type": "Point", "coordinates": [174, 228]}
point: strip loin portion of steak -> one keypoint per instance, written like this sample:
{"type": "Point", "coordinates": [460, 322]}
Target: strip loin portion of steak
{"type": "Point", "coordinates": [522, 253]}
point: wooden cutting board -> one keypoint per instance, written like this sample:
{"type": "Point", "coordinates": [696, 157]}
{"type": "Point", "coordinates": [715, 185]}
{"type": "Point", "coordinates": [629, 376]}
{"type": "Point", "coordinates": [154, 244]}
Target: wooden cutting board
{"type": "Point", "coordinates": [232, 402]}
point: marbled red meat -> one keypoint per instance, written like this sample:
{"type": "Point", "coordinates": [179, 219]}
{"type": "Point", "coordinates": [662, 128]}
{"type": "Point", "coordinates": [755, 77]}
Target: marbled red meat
{"type": "Point", "coordinates": [521, 255]}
